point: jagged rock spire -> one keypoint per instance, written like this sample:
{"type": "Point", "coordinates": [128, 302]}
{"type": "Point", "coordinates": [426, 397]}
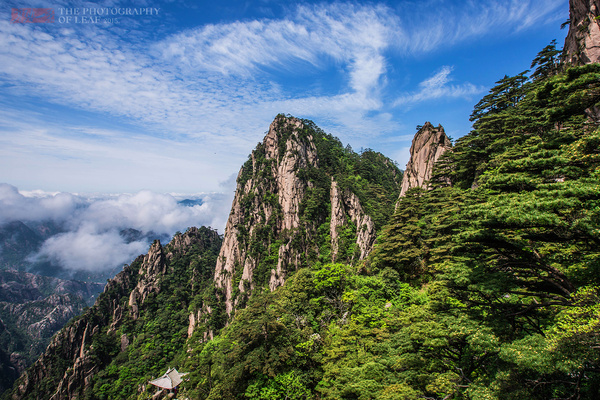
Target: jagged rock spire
{"type": "Point", "coordinates": [427, 146]}
{"type": "Point", "coordinates": [265, 236]}
{"type": "Point", "coordinates": [582, 44]}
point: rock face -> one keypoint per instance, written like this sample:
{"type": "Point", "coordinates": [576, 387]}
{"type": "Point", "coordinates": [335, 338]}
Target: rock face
{"type": "Point", "coordinates": [344, 204]}
{"type": "Point", "coordinates": [427, 146]}
{"type": "Point", "coordinates": [152, 268]}
{"type": "Point", "coordinates": [582, 44]}
{"type": "Point", "coordinates": [266, 235]}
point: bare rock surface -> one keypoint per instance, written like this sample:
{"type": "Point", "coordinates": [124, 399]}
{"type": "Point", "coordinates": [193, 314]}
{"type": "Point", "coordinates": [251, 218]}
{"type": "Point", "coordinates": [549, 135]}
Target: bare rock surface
{"type": "Point", "coordinates": [582, 44]}
{"type": "Point", "coordinates": [427, 147]}
{"type": "Point", "coordinates": [267, 203]}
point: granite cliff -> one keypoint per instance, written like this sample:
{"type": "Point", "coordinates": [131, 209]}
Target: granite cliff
{"type": "Point", "coordinates": [582, 44]}
{"type": "Point", "coordinates": [427, 147]}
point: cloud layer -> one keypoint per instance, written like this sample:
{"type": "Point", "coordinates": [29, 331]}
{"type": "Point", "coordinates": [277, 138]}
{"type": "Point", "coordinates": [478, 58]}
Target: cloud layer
{"type": "Point", "coordinates": [92, 236]}
{"type": "Point", "coordinates": [437, 87]}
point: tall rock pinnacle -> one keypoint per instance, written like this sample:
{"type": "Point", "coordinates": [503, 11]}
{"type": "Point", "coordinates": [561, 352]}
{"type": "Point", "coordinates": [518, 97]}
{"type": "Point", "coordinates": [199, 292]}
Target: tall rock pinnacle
{"type": "Point", "coordinates": [427, 146]}
{"type": "Point", "coordinates": [289, 211]}
{"type": "Point", "coordinates": [582, 44]}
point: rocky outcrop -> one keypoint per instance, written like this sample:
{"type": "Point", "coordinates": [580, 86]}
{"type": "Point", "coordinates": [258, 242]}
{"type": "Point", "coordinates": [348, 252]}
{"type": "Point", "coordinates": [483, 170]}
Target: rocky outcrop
{"type": "Point", "coordinates": [582, 44]}
{"type": "Point", "coordinates": [152, 268]}
{"type": "Point", "coordinates": [201, 316]}
{"type": "Point", "coordinates": [267, 197]}
{"type": "Point", "coordinates": [69, 346]}
{"type": "Point", "coordinates": [427, 146]}
{"type": "Point", "coordinates": [346, 204]}
{"type": "Point", "coordinates": [266, 236]}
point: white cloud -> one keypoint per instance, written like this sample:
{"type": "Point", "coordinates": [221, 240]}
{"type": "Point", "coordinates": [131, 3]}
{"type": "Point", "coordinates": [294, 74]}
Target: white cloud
{"type": "Point", "coordinates": [91, 238]}
{"type": "Point", "coordinates": [15, 206]}
{"type": "Point", "coordinates": [145, 211]}
{"type": "Point", "coordinates": [213, 82]}
{"type": "Point", "coordinates": [90, 251]}
{"type": "Point", "coordinates": [437, 87]}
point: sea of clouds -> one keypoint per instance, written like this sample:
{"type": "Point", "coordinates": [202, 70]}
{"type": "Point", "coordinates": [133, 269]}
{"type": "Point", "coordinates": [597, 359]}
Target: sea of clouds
{"type": "Point", "coordinates": [91, 227]}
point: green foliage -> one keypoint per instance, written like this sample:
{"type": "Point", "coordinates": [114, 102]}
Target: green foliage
{"type": "Point", "coordinates": [546, 61]}
{"type": "Point", "coordinates": [286, 386]}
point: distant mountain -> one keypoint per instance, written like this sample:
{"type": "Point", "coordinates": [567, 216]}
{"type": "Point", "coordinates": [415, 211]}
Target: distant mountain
{"type": "Point", "coordinates": [32, 309]}
{"type": "Point", "coordinates": [18, 240]}
{"type": "Point", "coordinates": [191, 202]}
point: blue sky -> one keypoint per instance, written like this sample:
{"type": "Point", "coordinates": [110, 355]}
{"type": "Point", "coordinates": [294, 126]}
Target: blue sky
{"type": "Point", "coordinates": [174, 102]}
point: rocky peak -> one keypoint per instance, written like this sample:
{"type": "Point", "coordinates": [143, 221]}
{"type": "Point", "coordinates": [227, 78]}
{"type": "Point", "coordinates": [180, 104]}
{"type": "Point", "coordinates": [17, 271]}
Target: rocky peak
{"type": "Point", "coordinates": [427, 146]}
{"type": "Point", "coordinates": [267, 197]}
{"type": "Point", "coordinates": [152, 267]}
{"type": "Point", "coordinates": [154, 261]}
{"type": "Point", "coordinates": [582, 44]}
{"type": "Point", "coordinates": [266, 235]}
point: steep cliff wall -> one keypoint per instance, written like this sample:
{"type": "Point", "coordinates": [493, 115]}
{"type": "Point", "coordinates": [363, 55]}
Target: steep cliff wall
{"type": "Point", "coordinates": [582, 44]}
{"type": "Point", "coordinates": [427, 146]}
{"type": "Point", "coordinates": [285, 191]}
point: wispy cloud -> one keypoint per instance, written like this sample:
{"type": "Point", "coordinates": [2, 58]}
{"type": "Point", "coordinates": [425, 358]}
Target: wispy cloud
{"type": "Point", "coordinates": [437, 87]}
{"type": "Point", "coordinates": [185, 82]}
{"type": "Point", "coordinates": [216, 87]}
{"type": "Point", "coordinates": [430, 24]}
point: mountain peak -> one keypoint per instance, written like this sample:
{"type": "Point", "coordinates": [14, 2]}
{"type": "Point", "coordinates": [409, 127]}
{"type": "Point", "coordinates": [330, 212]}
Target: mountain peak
{"type": "Point", "coordinates": [427, 147]}
{"type": "Point", "coordinates": [291, 206]}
